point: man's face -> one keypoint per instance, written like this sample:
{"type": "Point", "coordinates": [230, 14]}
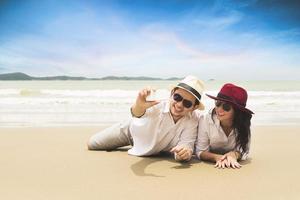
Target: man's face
{"type": "Point", "coordinates": [179, 102]}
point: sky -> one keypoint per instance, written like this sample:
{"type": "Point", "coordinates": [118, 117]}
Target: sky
{"type": "Point", "coordinates": [238, 40]}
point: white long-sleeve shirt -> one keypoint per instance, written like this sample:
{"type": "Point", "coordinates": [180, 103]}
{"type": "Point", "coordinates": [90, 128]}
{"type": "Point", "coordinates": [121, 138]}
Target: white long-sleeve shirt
{"type": "Point", "coordinates": [156, 131]}
{"type": "Point", "coordinates": [212, 138]}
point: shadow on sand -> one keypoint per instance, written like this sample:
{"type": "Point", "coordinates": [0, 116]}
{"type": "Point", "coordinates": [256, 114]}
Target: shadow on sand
{"type": "Point", "coordinates": [139, 167]}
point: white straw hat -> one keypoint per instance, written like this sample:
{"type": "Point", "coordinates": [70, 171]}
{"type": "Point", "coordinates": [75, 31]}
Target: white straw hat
{"type": "Point", "coordinates": [194, 86]}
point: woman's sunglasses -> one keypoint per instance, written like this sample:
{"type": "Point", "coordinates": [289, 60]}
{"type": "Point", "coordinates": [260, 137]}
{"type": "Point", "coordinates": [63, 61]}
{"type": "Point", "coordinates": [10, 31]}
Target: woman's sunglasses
{"type": "Point", "coordinates": [226, 106]}
{"type": "Point", "coordinates": [178, 98]}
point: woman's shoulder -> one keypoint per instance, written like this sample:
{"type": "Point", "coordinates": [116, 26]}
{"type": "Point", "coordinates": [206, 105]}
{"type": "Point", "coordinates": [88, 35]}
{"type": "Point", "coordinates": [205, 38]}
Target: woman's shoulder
{"type": "Point", "coordinates": [197, 114]}
{"type": "Point", "coordinates": [201, 116]}
{"type": "Point", "coordinates": [209, 118]}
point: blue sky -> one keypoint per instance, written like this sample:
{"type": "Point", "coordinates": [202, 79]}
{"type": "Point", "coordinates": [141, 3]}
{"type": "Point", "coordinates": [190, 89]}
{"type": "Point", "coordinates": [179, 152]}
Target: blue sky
{"type": "Point", "coordinates": [228, 40]}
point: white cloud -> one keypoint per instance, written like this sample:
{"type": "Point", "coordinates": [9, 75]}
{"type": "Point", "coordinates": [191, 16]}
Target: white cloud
{"type": "Point", "coordinates": [96, 47]}
{"type": "Point", "coordinates": [218, 23]}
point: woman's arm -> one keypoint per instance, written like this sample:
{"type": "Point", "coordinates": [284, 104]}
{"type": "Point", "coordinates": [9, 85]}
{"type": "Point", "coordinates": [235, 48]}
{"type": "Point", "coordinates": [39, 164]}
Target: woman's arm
{"type": "Point", "coordinates": [208, 156]}
{"type": "Point", "coordinates": [222, 161]}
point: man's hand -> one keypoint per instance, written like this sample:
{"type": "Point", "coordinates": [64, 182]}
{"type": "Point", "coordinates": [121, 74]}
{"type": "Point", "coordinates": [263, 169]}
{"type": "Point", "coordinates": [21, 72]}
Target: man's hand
{"type": "Point", "coordinates": [141, 104]}
{"type": "Point", "coordinates": [182, 153]}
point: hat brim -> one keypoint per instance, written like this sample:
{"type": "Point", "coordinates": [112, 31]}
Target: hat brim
{"type": "Point", "coordinates": [232, 102]}
{"type": "Point", "coordinates": [200, 105]}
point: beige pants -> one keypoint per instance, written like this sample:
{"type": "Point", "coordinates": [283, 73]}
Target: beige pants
{"type": "Point", "coordinates": [111, 138]}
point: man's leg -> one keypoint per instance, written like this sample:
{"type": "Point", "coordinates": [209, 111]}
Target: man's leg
{"type": "Point", "coordinates": [111, 138]}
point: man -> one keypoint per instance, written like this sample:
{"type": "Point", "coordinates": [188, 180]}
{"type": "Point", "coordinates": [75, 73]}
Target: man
{"type": "Point", "coordinates": [158, 126]}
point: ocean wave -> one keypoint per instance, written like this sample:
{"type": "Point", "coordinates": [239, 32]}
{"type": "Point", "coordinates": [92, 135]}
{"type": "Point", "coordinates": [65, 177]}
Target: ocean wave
{"type": "Point", "coordinates": [274, 94]}
{"type": "Point", "coordinates": [48, 106]}
{"type": "Point", "coordinates": [123, 93]}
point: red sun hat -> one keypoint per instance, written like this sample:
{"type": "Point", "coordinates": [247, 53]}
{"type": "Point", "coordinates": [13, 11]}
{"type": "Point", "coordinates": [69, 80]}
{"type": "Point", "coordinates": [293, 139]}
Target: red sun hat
{"type": "Point", "coordinates": [235, 95]}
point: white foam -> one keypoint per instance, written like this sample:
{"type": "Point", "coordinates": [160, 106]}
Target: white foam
{"type": "Point", "coordinates": [32, 107]}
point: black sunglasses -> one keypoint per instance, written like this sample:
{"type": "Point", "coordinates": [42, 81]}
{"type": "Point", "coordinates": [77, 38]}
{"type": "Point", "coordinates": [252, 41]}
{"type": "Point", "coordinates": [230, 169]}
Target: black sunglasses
{"type": "Point", "coordinates": [226, 106]}
{"type": "Point", "coordinates": [186, 103]}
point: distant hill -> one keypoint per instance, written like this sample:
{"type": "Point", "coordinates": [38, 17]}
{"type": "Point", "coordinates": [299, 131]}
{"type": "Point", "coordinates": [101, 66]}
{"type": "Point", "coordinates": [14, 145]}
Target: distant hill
{"type": "Point", "coordinates": [15, 76]}
{"type": "Point", "coordinates": [22, 77]}
{"type": "Point", "coordinates": [129, 78]}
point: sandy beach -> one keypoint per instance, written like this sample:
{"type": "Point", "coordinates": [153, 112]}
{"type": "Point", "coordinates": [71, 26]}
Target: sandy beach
{"type": "Point", "coordinates": [54, 163]}
{"type": "Point", "coordinates": [69, 69]}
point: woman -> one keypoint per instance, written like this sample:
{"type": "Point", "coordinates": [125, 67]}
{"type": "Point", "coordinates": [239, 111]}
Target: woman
{"type": "Point", "coordinates": [224, 133]}
{"type": "Point", "coordinates": [158, 126]}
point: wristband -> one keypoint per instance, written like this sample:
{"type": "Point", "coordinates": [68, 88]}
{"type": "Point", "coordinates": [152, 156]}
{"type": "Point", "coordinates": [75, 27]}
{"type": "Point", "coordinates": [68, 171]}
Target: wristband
{"type": "Point", "coordinates": [133, 115]}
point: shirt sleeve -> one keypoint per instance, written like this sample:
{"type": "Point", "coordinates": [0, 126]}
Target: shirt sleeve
{"type": "Point", "coordinates": [202, 142]}
{"type": "Point", "coordinates": [189, 135]}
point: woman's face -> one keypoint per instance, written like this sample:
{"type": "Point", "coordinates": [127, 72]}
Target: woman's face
{"type": "Point", "coordinates": [180, 102]}
{"type": "Point", "coordinates": [224, 111]}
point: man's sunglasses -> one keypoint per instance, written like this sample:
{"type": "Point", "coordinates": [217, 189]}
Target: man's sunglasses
{"type": "Point", "coordinates": [226, 106]}
{"type": "Point", "coordinates": [178, 98]}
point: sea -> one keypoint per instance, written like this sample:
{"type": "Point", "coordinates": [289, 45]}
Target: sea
{"type": "Point", "coordinates": [98, 103]}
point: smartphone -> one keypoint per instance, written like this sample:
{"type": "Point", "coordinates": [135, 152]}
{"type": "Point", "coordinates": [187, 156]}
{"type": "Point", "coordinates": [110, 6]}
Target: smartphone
{"type": "Point", "coordinates": [157, 95]}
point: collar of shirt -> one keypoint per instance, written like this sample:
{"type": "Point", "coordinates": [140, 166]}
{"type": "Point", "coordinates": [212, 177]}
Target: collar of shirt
{"type": "Point", "coordinates": [216, 122]}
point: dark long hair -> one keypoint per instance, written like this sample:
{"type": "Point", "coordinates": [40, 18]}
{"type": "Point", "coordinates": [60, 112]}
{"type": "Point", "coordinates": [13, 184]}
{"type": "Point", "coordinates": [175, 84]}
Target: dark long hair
{"type": "Point", "coordinates": [242, 123]}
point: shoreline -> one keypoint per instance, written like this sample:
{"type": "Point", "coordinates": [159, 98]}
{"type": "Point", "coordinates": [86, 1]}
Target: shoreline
{"type": "Point", "coordinates": [253, 126]}
{"type": "Point", "coordinates": [54, 163]}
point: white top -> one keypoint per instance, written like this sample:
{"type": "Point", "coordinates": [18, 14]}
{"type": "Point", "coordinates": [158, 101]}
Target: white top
{"type": "Point", "coordinates": [212, 138]}
{"type": "Point", "coordinates": [156, 131]}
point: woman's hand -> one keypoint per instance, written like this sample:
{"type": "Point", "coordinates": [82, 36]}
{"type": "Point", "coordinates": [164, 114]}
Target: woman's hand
{"type": "Point", "coordinates": [182, 153]}
{"type": "Point", "coordinates": [232, 158]}
{"type": "Point", "coordinates": [221, 162]}
{"type": "Point", "coordinates": [229, 160]}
